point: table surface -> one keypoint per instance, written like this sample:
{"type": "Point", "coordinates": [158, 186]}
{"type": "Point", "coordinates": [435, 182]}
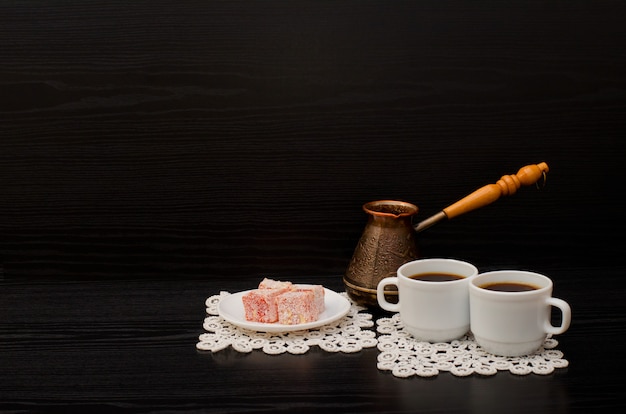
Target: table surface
{"type": "Point", "coordinates": [130, 345]}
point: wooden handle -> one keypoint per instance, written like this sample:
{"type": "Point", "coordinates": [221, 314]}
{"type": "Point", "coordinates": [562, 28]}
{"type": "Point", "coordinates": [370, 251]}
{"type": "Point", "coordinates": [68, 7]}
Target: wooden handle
{"type": "Point", "coordinates": [507, 185]}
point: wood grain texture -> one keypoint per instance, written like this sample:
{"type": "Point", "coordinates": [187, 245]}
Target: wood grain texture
{"type": "Point", "coordinates": [129, 346]}
{"type": "Point", "coordinates": [176, 138]}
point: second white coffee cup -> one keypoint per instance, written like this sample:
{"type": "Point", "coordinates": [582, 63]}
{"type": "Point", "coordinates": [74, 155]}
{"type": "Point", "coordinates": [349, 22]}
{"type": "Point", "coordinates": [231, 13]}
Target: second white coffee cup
{"type": "Point", "coordinates": [432, 308]}
{"type": "Point", "coordinates": [511, 311]}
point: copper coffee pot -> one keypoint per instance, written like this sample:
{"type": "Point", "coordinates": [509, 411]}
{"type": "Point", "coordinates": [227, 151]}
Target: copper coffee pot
{"type": "Point", "coordinates": [389, 239]}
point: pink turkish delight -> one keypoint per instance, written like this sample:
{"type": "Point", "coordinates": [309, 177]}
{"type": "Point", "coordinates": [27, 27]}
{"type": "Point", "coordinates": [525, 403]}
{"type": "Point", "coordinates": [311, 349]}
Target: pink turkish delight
{"type": "Point", "coordinates": [274, 284]}
{"type": "Point", "coordinates": [283, 302]}
{"type": "Point", "coordinates": [296, 306]}
{"type": "Point", "coordinates": [318, 295]}
{"type": "Point", "coordinates": [260, 304]}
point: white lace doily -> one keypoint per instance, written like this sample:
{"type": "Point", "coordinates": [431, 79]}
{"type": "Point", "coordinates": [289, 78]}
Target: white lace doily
{"type": "Point", "coordinates": [405, 357]}
{"type": "Point", "coordinates": [344, 335]}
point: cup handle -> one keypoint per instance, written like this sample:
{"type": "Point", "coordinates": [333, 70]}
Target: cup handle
{"type": "Point", "coordinates": [566, 319]}
{"type": "Point", "coordinates": [380, 294]}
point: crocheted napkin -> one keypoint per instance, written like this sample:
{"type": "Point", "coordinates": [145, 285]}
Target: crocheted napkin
{"type": "Point", "coordinates": [405, 356]}
{"type": "Point", "coordinates": [344, 335]}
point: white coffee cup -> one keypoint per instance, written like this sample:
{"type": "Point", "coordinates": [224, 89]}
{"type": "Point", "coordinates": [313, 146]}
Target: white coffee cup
{"type": "Point", "coordinates": [429, 310]}
{"type": "Point", "coordinates": [514, 323]}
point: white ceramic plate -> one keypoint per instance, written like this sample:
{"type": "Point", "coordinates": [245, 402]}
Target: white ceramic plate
{"type": "Point", "coordinates": [231, 309]}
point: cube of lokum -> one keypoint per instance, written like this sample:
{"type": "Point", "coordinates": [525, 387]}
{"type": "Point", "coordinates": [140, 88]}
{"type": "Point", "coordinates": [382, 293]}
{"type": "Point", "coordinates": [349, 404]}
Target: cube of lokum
{"type": "Point", "coordinates": [260, 305]}
{"type": "Point", "coordinates": [297, 306]}
{"type": "Point", "coordinates": [318, 295]}
{"type": "Point", "coordinates": [274, 284]}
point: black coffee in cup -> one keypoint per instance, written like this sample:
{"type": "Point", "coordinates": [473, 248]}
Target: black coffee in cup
{"type": "Point", "coordinates": [508, 287]}
{"type": "Point", "coordinates": [436, 277]}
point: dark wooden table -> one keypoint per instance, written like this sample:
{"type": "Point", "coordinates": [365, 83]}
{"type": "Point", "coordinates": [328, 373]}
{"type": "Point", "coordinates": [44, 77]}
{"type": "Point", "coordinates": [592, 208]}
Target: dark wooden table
{"type": "Point", "coordinates": [130, 346]}
{"type": "Point", "coordinates": [153, 153]}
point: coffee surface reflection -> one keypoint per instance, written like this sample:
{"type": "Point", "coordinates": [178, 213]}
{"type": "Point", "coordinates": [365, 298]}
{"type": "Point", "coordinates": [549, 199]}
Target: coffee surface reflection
{"type": "Point", "coordinates": [509, 287]}
{"type": "Point", "coordinates": [436, 277]}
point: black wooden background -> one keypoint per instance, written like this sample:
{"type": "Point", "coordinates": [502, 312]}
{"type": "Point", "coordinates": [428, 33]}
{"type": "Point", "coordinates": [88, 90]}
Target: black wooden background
{"type": "Point", "coordinates": [189, 139]}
